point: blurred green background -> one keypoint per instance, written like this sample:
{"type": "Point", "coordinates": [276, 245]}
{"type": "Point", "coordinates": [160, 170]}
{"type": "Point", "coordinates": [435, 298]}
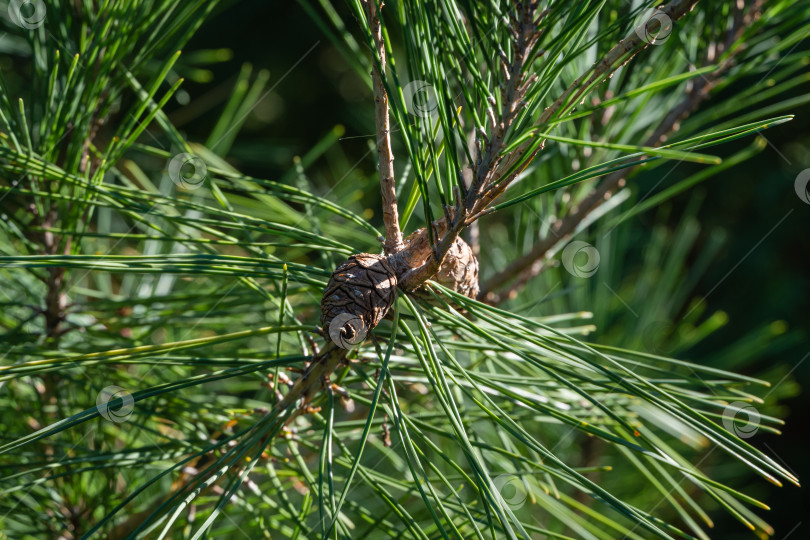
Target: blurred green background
{"type": "Point", "coordinates": [759, 278]}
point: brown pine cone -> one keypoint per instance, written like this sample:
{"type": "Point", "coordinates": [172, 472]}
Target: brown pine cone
{"type": "Point", "coordinates": [459, 270]}
{"type": "Point", "coordinates": [359, 294]}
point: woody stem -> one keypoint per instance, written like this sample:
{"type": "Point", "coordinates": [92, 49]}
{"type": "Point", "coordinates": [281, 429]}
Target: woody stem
{"type": "Point", "coordinates": [385, 156]}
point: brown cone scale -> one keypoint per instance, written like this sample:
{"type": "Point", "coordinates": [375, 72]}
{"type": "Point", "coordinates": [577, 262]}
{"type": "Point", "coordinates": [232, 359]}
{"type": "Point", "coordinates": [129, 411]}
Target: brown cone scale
{"type": "Point", "coordinates": [360, 292]}
{"type": "Point", "coordinates": [459, 270]}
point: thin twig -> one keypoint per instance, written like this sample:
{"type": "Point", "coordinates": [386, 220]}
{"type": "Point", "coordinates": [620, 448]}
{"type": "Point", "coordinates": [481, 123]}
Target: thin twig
{"type": "Point", "coordinates": [385, 157]}
{"type": "Point", "coordinates": [619, 55]}
{"type": "Point", "coordinates": [513, 89]}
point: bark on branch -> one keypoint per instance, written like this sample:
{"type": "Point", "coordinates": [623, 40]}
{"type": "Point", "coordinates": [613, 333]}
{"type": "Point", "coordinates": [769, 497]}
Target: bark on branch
{"type": "Point", "coordinates": [385, 157]}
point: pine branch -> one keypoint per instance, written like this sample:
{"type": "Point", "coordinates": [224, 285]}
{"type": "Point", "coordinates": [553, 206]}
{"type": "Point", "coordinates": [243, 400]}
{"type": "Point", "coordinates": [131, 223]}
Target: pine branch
{"type": "Point", "coordinates": [314, 379]}
{"type": "Point", "coordinates": [523, 27]}
{"type": "Point", "coordinates": [525, 36]}
{"type": "Point", "coordinates": [487, 184]}
{"type": "Point", "coordinates": [528, 266]}
{"type": "Point", "coordinates": [619, 55]}
{"type": "Point", "coordinates": [494, 173]}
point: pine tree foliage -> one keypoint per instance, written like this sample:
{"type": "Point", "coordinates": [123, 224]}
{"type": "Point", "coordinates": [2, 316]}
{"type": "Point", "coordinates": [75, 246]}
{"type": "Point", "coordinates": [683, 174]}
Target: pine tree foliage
{"type": "Point", "coordinates": [156, 301]}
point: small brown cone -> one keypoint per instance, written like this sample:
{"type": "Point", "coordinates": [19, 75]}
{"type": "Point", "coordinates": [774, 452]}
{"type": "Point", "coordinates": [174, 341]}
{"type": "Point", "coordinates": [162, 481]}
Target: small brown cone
{"type": "Point", "coordinates": [357, 297]}
{"type": "Point", "coordinates": [459, 270]}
